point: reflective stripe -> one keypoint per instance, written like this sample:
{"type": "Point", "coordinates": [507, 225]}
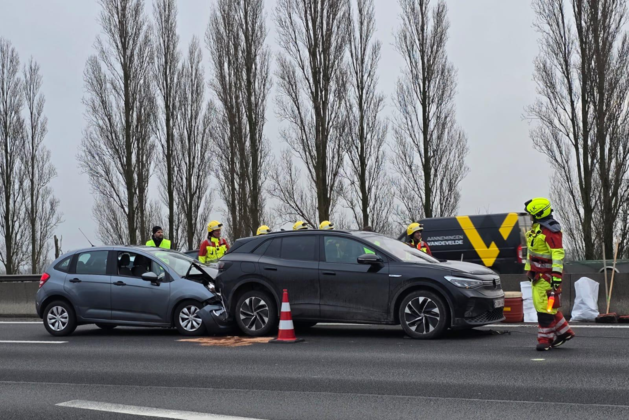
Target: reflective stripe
{"type": "Point", "coordinates": [540, 255]}
{"type": "Point", "coordinates": [539, 265]}
{"type": "Point", "coordinates": [563, 330]}
{"type": "Point", "coordinates": [286, 325]}
{"type": "Point", "coordinates": [285, 307]}
{"type": "Point", "coordinates": [551, 335]}
{"type": "Point", "coordinates": [545, 330]}
{"type": "Point", "coordinates": [560, 323]}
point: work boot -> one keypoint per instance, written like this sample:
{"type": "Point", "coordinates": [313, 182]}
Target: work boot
{"type": "Point", "coordinates": [544, 347]}
{"type": "Point", "coordinates": [561, 339]}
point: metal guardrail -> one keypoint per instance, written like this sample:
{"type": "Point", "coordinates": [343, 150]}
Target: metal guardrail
{"type": "Point", "coordinates": [20, 278]}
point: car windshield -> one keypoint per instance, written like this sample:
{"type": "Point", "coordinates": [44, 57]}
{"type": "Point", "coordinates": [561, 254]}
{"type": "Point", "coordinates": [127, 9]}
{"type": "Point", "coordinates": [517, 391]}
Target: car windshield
{"type": "Point", "coordinates": [179, 262]}
{"type": "Point", "coordinates": [400, 249]}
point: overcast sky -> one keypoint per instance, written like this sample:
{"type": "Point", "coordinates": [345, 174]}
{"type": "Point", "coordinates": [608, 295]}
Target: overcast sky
{"type": "Point", "coordinates": [492, 44]}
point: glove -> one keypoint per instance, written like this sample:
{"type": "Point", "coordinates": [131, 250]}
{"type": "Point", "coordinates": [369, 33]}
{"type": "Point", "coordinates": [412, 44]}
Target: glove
{"type": "Point", "coordinates": [555, 283]}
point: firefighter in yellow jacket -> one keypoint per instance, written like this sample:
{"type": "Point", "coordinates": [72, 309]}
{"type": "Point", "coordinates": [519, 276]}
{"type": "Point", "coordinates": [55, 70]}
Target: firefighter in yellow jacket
{"type": "Point", "coordinates": [544, 267]}
{"type": "Point", "coordinates": [214, 247]}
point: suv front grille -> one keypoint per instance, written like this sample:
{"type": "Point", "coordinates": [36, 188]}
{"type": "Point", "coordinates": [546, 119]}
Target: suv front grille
{"type": "Point", "coordinates": [487, 317]}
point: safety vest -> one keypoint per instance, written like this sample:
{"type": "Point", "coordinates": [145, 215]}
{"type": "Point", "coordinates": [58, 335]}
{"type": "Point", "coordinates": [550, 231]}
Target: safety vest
{"type": "Point", "coordinates": [212, 250]}
{"type": "Point", "coordinates": [164, 244]}
{"type": "Point", "coordinates": [545, 253]}
{"type": "Point", "coordinates": [422, 246]}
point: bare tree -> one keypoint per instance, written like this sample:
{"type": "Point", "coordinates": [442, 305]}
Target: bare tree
{"type": "Point", "coordinates": [13, 223]}
{"type": "Point", "coordinates": [312, 75]}
{"type": "Point", "coordinates": [42, 208]}
{"type": "Point", "coordinates": [240, 80]}
{"type": "Point", "coordinates": [582, 83]}
{"type": "Point", "coordinates": [117, 145]}
{"type": "Point", "coordinates": [193, 146]}
{"type": "Point", "coordinates": [166, 67]}
{"type": "Point", "coordinates": [368, 192]}
{"type": "Point", "coordinates": [430, 148]}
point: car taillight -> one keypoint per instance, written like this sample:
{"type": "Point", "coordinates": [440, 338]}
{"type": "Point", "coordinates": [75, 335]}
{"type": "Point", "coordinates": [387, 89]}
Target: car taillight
{"type": "Point", "coordinates": [520, 257]}
{"type": "Point", "coordinates": [43, 279]}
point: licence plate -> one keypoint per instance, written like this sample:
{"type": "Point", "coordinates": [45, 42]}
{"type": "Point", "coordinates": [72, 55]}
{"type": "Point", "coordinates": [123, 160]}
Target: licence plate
{"type": "Point", "coordinates": [499, 303]}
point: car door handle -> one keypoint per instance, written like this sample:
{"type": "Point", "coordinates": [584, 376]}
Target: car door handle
{"type": "Point", "coordinates": [75, 281]}
{"type": "Point", "coordinates": [120, 283]}
{"type": "Point", "coordinates": [329, 273]}
{"type": "Point", "coordinates": [270, 268]}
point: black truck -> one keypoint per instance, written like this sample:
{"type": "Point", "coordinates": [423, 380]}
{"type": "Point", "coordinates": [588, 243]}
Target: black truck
{"type": "Point", "coordinates": [496, 241]}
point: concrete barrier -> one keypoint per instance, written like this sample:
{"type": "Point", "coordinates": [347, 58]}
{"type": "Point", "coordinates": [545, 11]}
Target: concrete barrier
{"type": "Point", "coordinates": [620, 295]}
{"type": "Point", "coordinates": [17, 295]}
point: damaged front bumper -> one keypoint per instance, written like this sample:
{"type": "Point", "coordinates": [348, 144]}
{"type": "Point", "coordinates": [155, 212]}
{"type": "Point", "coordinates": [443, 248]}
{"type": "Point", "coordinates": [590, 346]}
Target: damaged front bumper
{"type": "Point", "coordinates": [215, 319]}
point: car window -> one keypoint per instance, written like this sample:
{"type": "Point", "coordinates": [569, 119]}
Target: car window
{"type": "Point", "coordinates": [273, 250]}
{"type": "Point", "coordinates": [301, 248]}
{"type": "Point", "coordinates": [64, 264]}
{"type": "Point", "coordinates": [399, 249]}
{"type": "Point", "coordinates": [344, 250]}
{"type": "Point", "coordinates": [159, 270]}
{"type": "Point", "coordinates": [260, 250]}
{"type": "Point", "coordinates": [131, 264]}
{"type": "Point", "coordinates": [92, 262]}
{"type": "Point", "coordinates": [180, 263]}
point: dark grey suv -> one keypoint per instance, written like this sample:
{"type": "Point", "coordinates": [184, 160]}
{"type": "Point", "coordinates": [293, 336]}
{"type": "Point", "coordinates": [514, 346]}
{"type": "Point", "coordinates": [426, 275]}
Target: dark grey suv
{"type": "Point", "coordinates": [353, 277]}
{"type": "Point", "coordinates": [132, 286]}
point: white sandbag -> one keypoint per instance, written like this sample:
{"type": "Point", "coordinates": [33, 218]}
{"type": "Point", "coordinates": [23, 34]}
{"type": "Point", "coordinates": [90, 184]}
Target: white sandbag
{"type": "Point", "coordinates": [586, 300]}
{"type": "Point", "coordinates": [530, 314]}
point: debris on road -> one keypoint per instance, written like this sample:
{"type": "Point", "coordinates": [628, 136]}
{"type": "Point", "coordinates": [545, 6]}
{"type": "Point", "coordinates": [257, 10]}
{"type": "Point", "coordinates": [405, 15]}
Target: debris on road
{"type": "Point", "coordinates": [230, 341]}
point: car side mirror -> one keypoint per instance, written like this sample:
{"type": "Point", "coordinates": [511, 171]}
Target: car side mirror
{"type": "Point", "coordinates": [150, 276]}
{"type": "Point", "coordinates": [369, 259]}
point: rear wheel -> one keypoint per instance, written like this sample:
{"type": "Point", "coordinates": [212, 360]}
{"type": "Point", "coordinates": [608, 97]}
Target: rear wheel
{"type": "Point", "coordinates": [423, 315]}
{"type": "Point", "coordinates": [256, 313]}
{"type": "Point", "coordinates": [106, 327]}
{"type": "Point", "coordinates": [187, 318]}
{"type": "Point", "coordinates": [59, 318]}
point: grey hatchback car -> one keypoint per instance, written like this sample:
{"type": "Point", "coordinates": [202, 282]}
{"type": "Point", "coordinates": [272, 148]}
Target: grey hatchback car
{"type": "Point", "coordinates": [131, 286]}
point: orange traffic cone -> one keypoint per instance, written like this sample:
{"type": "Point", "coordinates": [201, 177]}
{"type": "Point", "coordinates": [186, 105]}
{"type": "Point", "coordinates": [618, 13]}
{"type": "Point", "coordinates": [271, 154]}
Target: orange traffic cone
{"type": "Point", "coordinates": [287, 330]}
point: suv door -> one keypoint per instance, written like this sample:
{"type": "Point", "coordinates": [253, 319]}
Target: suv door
{"type": "Point", "coordinates": [89, 286]}
{"type": "Point", "coordinates": [351, 291]}
{"type": "Point", "coordinates": [292, 263]}
{"type": "Point", "coordinates": [134, 299]}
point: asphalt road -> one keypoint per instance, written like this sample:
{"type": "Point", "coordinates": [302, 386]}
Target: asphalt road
{"type": "Point", "coordinates": [337, 373]}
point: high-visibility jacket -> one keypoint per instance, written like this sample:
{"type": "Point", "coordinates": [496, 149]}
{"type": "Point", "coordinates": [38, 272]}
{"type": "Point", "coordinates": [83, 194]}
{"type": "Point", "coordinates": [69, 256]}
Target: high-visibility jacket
{"type": "Point", "coordinates": [422, 246]}
{"type": "Point", "coordinates": [545, 253]}
{"type": "Point", "coordinates": [212, 250]}
{"type": "Point", "coordinates": [164, 244]}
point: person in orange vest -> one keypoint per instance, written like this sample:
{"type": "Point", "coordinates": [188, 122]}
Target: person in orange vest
{"type": "Point", "coordinates": [414, 232]}
{"type": "Point", "coordinates": [214, 247]}
{"type": "Point", "coordinates": [544, 267]}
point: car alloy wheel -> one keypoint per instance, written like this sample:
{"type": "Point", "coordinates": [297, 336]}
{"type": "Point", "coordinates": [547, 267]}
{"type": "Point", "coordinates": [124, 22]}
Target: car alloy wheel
{"type": "Point", "coordinates": [422, 315]}
{"type": "Point", "coordinates": [189, 318]}
{"type": "Point", "coordinates": [254, 313]}
{"type": "Point", "coordinates": [58, 318]}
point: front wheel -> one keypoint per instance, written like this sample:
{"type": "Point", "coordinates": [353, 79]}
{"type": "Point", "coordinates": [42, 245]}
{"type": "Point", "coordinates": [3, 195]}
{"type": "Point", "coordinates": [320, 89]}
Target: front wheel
{"type": "Point", "coordinates": [256, 313]}
{"type": "Point", "coordinates": [59, 318]}
{"type": "Point", "coordinates": [423, 315]}
{"type": "Point", "coordinates": [187, 318]}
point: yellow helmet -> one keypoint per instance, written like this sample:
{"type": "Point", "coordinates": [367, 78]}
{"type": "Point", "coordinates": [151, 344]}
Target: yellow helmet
{"type": "Point", "coordinates": [300, 225]}
{"type": "Point", "coordinates": [539, 207]}
{"type": "Point", "coordinates": [414, 227]}
{"type": "Point", "coordinates": [326, 225]}
{"type": "Point", "coordinates": [214, 225]}
{"type": "Point", "coordinates": [263, 230]}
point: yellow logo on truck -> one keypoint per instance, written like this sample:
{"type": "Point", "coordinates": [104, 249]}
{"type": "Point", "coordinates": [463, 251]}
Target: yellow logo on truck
{"type": "Point", "coordinates": [487, 254]}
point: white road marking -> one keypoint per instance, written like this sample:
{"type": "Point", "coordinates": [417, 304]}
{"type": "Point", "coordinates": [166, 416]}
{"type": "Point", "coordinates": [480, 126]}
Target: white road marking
{"type": "Point", "coordinates": [615, 326]}
{"type": "Point", "coordinates": [21, 322]}
{"type": "Point", "coordinates": [146, 411]}
{"type": "Point", "coordinates": [30, 342]}
{"type": "Point", "coordinates": [538, 360]}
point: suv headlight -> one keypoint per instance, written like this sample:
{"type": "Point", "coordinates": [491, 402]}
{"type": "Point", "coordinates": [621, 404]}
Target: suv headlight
{"type": "Point", "coordinates": [464, 283]}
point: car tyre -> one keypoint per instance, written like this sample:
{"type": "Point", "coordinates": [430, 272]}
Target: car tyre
{"type": "Point", "coordinates": [256, 313]}
{"type": "Point", "coordinates": [187, 318]}
{"type": "Point", "coordinates": [59, 318]}
{"type": "Point", "coordinates": [106, 327]}
{"type": "Point", "coordinates": [423, 315]}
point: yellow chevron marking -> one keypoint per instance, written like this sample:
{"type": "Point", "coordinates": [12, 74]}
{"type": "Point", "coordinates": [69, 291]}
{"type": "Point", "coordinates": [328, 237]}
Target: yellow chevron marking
{"type": "Point", "coordinates": [487, 254]}
{"type": "Point", "coordinates": [508, 224]}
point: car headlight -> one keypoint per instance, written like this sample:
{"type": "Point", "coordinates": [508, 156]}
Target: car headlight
{"type": "Point", "coordinates": [464, 283]}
